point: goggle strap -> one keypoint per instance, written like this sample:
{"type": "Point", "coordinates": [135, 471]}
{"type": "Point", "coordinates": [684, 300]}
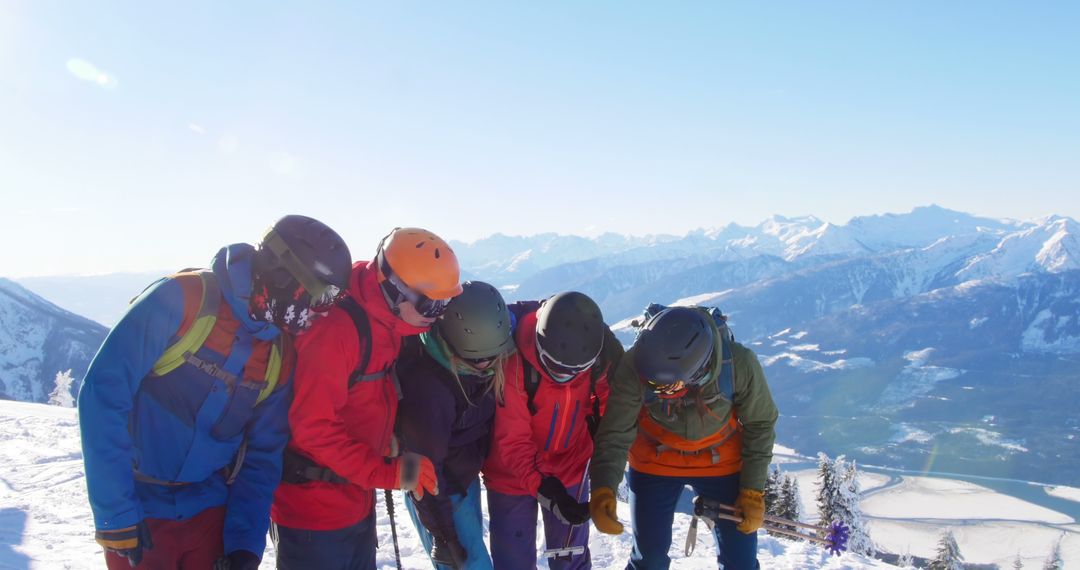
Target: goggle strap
{"type": "Point", "coordinates": [313, 285]}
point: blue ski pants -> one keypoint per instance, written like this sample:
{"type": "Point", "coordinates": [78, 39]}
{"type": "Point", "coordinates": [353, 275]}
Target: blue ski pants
{"type": "Point", "coordinates": [469, 523]}
{"type": "Point", "coordinates": [652, 506]}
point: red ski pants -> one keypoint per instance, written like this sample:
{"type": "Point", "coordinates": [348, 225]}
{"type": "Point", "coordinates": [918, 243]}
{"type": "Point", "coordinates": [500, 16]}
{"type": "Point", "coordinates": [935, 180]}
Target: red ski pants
{"type": "Point", "coordinates": [194, 544]}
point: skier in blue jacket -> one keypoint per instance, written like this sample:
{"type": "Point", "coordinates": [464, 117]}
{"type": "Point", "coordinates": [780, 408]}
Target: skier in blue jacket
{"type": "Point", "coordinates": [184, 410]}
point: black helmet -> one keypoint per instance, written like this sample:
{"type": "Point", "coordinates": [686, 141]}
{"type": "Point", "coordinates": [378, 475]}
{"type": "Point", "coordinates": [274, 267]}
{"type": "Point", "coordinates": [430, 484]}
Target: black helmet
{"type": "Point", "coordinates": [569, 334]}
{"type": "Point", "coordinates": [299, 252]}
{"type": "Point", "coordinates": [476, 323]}
{"type": "Point", "coordinates": [675, 348]}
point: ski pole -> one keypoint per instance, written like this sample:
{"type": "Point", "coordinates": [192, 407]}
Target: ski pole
{"type": "Point", "coordinates": [836, 537]}
{"type": "Point", "coordinates": [773, 519]}
{"type": "Point", "coordinates": [389, 495]}
{"type": "Point", "coordinates": [566, 550]}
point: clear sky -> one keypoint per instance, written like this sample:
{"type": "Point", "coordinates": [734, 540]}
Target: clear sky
{"type": "Point", "coordinates": [144, 135]}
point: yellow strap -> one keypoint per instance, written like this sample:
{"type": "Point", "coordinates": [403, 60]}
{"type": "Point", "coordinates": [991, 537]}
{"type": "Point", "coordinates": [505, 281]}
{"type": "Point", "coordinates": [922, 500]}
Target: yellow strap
{"type": "Point", "coordinates": [194, 338]}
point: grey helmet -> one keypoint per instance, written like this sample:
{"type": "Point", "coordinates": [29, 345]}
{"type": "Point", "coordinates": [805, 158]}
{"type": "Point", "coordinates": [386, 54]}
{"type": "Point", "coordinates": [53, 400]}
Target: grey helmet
{"type": "Point", "coordinates": [675, 345]}
{"type": "Point", "coordinates": [570, 333]}
{"type": "Point", "coordinates": [476, 324]}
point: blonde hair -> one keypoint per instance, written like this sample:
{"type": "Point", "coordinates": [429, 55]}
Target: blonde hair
{"type": "Point", "coordinates": [498, 379]}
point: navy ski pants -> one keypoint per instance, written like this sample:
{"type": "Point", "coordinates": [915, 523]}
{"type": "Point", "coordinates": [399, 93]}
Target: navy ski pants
{"type": "Point", "coordinates": [513, 532]}
{"type": "Point", "coordinates": [349, 548]}
{"type": "Point", "coordinates": [652, 509]}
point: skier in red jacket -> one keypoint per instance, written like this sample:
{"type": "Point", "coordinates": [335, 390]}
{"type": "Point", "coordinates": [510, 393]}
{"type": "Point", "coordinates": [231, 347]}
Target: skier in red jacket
{"type": "Point", "coordinates": [346, 397]}
{"type": "Point", "coordinates": [543, 437]}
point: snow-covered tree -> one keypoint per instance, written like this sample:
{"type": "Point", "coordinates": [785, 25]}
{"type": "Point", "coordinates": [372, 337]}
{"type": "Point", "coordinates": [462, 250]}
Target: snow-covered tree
{"type": "Point", "coordinates": [1054, 562]}
{"type": "Point", "coordinates": [948, 554]}
{"type": "Point", "coordinates": [772, 492]}
{"type": "Point", "coordinates": [849, 511]}
{"type": "Point", "coordinates": [1017, 563]}
{"type": "Point", "coordinates": [906, 561]}
{"type": "Point", "coordinates": [61, 394]}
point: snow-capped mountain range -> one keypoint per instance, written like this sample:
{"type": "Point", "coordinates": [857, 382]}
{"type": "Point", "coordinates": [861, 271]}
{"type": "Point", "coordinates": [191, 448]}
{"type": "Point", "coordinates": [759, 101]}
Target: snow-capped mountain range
{"type": "Point", "coordinates": [833, 311]}
{"type": "Point", "coordinates": [39, 340]}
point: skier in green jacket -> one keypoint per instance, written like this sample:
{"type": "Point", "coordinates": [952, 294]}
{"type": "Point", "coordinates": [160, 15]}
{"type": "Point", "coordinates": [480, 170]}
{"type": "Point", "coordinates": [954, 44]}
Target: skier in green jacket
{"type": "Point", "coordinates": [691, 407]}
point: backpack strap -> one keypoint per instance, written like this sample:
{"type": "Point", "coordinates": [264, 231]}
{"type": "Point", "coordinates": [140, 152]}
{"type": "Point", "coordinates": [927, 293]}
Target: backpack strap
{"type": "Point", "coordinates": [532, 384]}
{"type": "Point", "coordinates": [282, 344]}
{"type": "Point", "coordinates": [363, 334]}
{"type": "Point", "coordinates": [189, 342]}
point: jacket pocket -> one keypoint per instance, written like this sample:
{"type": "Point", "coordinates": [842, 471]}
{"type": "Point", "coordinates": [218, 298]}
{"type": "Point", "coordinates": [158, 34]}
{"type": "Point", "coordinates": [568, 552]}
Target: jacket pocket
{"type": "Point", "coordinates": [237, 412]}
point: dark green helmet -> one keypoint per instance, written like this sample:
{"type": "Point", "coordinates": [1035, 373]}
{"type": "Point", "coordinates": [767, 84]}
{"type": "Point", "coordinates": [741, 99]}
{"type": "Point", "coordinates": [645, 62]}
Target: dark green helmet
{"type": "Point", "coordinates": [569, 334]}
{"type": "Point", "coordinates": [476, 324]}
{"type": "Point", "coordinates": [676, 345]}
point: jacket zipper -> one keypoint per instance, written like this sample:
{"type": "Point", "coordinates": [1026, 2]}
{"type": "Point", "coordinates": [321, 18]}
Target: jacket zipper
{"type": "Point", "coordinates": [551, 428]}
{"type": "Point", "coordinates": [562, 424]}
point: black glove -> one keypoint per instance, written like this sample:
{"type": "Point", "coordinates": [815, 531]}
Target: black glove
{"type": "Point", "coordinates": [238, 560]}
{"type": "Point", "coordinates": [449, 553]}
{"type": "Point", "coordinates": [553, 497]}
{"type": "Point", "coordinates": [127, 542]}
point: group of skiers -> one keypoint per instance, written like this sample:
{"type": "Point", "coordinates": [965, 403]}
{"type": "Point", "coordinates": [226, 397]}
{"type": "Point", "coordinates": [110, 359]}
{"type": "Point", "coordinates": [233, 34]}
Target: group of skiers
{"type": "Point", "coordinates": [284, 385]}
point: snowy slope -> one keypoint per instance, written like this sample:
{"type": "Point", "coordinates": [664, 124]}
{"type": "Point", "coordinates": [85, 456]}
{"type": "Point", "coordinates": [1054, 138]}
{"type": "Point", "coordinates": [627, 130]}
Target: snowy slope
{"type": "Point", "coordinates": [45, 520]}
{"type": "Point", "coordinates": [38, 340]}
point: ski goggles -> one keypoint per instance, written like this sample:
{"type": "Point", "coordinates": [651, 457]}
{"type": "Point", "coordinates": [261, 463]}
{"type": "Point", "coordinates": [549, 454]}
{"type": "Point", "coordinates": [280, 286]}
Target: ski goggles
{"type": "Point", "coordinates": [480, 363]}
{"type": "Point", "coordinates": [679, 387]}
{"type": "Point", "coordinates": [667, 390]}
{"type": "Point", "coordinates": [398, 291]}
{"type": "Point", "coordinates": [323, 295]}
{"type": "Point", "coordinates": [562, 372]}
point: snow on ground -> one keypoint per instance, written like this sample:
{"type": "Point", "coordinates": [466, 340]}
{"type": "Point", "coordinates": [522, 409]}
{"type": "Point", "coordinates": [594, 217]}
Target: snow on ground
{"type": "Point", "coordinates": [996, 542]}
{"type": "Point", "coordinates": [810, 365]}
{"type": "Point", "coordinates": [990, 527]}
{"type": "Point", "coordinates": [808, 488]}
{"type": "Point", "coordinates": [1063, 492]}
{"type": "Point", "coordinates": [45, 520]}
{"type": "Point", "coordinates": [702, 299]}
{"type": "Point", "coordinates": [908, 514]}
{"type": "Point", "coordinates": [933, 498]}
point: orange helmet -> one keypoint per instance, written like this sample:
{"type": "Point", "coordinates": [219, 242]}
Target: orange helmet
{"type": "Point", "coordinates": [423, 261]}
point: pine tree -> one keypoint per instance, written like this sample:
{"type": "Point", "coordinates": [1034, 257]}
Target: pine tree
{"type": "Point", "coordinates": [790, 504]}
{"type": "Point", "coordinates": [1054, 562]}
{"type": "Point", "coordinates": [906, 560]}
{"type": "Point", "coordinates": [948, 554]}
{"type": "Point", "coordinates": [1017, 563]}
{"type": "Point", "coordinates": [61, 394]}
{"type": "Point", "coordinates": [772, 492]}
{"type": "Point", "coordinates": [828, 492]}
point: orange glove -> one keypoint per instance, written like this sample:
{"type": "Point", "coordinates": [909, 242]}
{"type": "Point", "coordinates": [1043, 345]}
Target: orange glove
{"type": "Point", "coordinates": [416, 474]}
{"type": "Point", "coordinates": [751, 505]}
{"type": "Point", "coordinates": [602, 508]}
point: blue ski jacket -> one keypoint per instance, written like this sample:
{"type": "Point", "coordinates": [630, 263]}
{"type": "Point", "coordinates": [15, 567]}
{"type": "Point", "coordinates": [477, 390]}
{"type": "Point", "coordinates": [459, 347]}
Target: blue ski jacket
{"type": "Point", "coordinates": [161, 445]}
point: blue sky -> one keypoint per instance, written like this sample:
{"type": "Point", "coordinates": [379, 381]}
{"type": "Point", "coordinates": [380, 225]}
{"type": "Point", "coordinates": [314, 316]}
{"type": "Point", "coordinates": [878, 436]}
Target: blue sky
{"type": "Point", "coordinates": [144, 135]}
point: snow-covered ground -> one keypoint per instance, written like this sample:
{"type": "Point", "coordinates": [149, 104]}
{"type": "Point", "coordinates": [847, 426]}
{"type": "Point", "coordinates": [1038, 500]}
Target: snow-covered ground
{"type": "Point", "coordinates": [45, 520]}
{"type": "Point", "coordinates": [908, 514]}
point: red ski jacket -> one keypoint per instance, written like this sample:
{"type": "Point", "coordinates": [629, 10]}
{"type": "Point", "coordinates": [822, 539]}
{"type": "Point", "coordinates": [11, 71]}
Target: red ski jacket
{"type": "Point", "coordinates": [346, 430]}
{"type": "Point", "coordinates": [556, 440]}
